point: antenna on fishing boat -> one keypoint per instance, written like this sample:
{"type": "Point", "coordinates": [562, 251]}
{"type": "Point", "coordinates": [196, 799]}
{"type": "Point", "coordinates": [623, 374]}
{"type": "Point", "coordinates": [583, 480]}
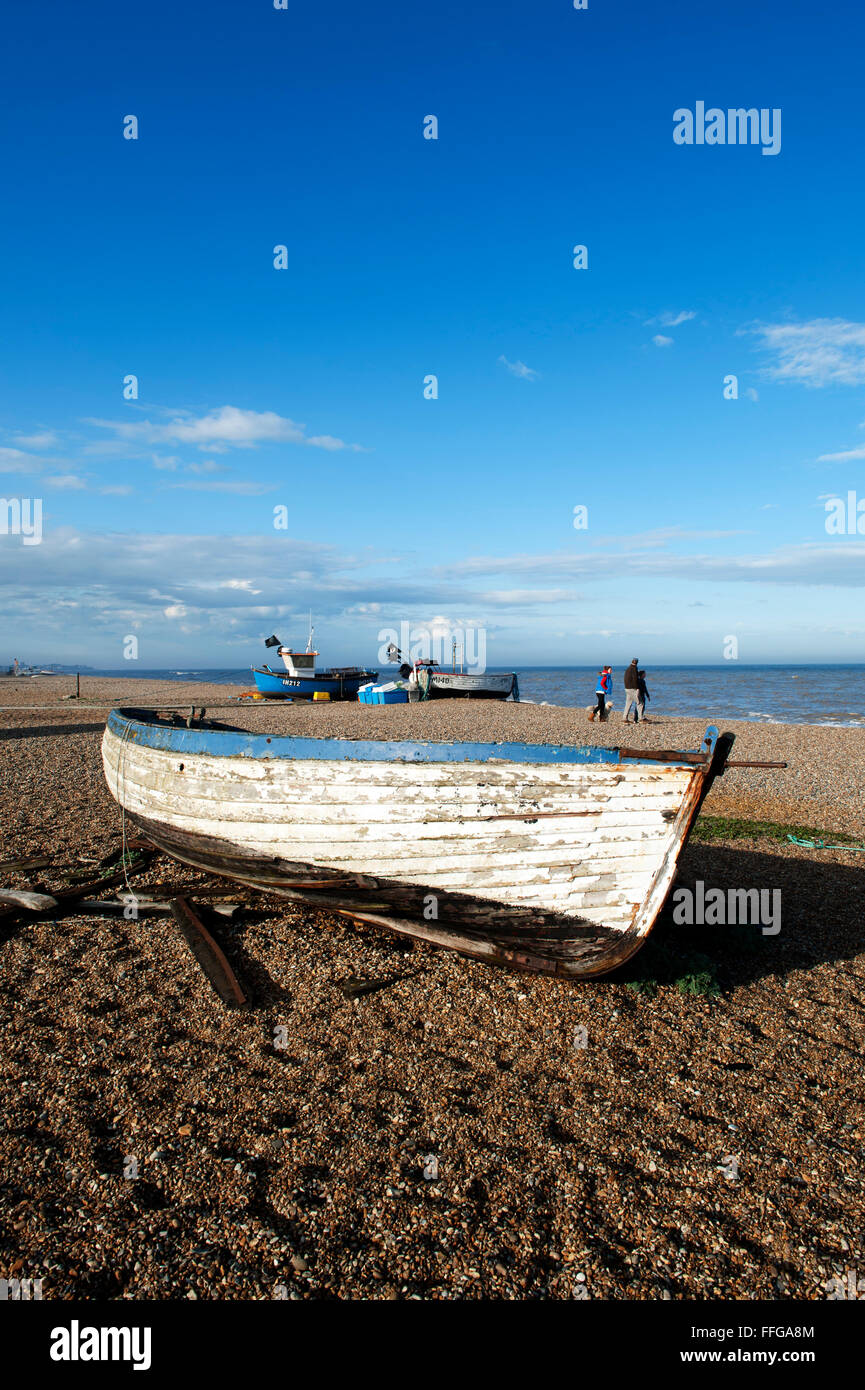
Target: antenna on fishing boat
{"type": "Point", "coordinates": [311, 631]}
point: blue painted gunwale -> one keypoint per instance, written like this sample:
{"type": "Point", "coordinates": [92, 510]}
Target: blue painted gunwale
{"type": "Point", "coordinates": [221, 743]}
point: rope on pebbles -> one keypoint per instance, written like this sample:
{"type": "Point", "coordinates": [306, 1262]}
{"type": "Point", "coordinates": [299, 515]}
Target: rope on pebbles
{"type": "Point", "coordinates": [821, 844]}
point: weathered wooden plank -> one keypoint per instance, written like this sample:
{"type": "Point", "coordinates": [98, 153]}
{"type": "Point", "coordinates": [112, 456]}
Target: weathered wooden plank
{"type": "Point", "coordinates": [30, 902]}
{"type": "Point", "coordinates": [388, 802]}
{"type": "Point", "coordinates": [208, 954]}
{"type": "Point", "coordinates": [290, 781]}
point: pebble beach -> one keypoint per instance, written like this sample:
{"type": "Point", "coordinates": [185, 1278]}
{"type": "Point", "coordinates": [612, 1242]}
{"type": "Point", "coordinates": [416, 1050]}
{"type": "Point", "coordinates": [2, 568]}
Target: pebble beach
{"type": "Point", "coordinates": [388, 1120]}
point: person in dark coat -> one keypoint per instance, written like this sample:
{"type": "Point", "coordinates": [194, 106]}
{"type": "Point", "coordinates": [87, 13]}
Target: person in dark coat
{"type": "Point", "coordinates": [632, 689]}
{"type": "Point", "coordinates": [642, 694]}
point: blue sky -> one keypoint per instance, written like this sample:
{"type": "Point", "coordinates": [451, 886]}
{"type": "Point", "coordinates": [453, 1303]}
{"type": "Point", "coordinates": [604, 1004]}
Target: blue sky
{"type": "Point", "coordinates": [304, 387]}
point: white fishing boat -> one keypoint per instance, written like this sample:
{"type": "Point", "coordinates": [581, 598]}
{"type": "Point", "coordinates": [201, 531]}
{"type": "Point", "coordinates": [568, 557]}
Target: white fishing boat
{"type": "Point", "coordinates": [433, 682]}
{"type": "Point", "coordinates": [546, 857]}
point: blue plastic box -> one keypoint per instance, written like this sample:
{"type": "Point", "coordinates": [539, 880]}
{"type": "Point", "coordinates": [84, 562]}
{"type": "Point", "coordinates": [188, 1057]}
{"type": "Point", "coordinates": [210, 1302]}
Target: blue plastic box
{"type": "Point", "coordinates": [374, 696]}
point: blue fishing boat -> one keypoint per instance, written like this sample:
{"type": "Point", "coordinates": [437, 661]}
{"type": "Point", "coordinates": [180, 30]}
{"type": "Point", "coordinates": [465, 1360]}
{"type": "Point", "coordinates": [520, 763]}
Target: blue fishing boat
{"type": "Point", "coordinates": [301, 681]}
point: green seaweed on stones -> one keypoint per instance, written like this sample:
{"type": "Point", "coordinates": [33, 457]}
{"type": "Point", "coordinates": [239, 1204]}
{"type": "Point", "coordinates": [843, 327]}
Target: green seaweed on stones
{"type": "Point", "coordinates": [691, 972]}
{"type": "Point", "coordinates": [711, 828]}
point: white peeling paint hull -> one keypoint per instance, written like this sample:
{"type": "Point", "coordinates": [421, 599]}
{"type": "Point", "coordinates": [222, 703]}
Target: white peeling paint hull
{"type": "Point", "coordinates": [511, 852]}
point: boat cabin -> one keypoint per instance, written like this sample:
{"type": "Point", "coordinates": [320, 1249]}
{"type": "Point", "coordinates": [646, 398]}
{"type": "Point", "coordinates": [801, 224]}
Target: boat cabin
{"type": "Point", "coordinates": [298, 663]}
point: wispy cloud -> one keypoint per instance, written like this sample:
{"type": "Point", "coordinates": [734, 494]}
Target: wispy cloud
{"type": "Point", "coordinates": [669, 320]}
{"type": "Point", "coordinates": [16, 461]}
{"type": "Point", "coordinates": [224, 428]}
{"type": "Point", "coordinates": [812, 564]}
{"type": "Point", "coordinates": [242, 585]}
{"type": "Point", "coordinates": [819, 352]}
{"type": "Point", "coordinates": [46, 440]}
{"type": "Point", "coordinates": [235, 589]}
{"type": "Point", "coordinates": [519, 369]}
{"type": "Point", "coordinates": [660, 341]}
{"type": "Point", "coordinates": [846, 454]}
{"type": "Point", "coordinates": [243, 489]}
{"type": "Point", "coordinates": [661, 536]}
{"type": "Point", "coordinates": [69, 482]}
{"type": "Point", "coordinates": [844, 457]}
{"type": "Point", "coordinates": [521, 598]}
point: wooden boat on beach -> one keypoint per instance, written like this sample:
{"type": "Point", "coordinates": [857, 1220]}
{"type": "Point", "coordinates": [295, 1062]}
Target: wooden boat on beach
{"type": "Point", "coordinates": [544, 857]}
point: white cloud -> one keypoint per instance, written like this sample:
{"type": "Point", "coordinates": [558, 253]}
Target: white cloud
{"type": "Point", "coordinates": [260, 582]}
{"type": "Point", "coordinates": [245, 585]}
{"type": "Point", "coordinates": [660, 341]}
{"type": "Point", "coordinates": [660, 536]}
{"type": "Point", "coordinates": [844, 456]}
{"type": "Point", "coordinates": [668, 320]}
{"type": "Point", "coordinates": [519, 369]}
{"type": "Point", "coordinates": [208, 467]}
{"type": "Point", "coordinates": [820, 352]}
{"type": "Point", "coordinates": [327, 441]}
{"type": "Point", "coordinates": [243, 489]}
{"type": "Point", "coordinates": [224, 428]}
{"type": "Point", "coordinates": [67, 481]}
{"type": "Point", "coordinates": [16, 461]}
{"type": "Point", "coordinates": [751, 393]}
{"type": "Point", "coordinates": [810, 563]}
{"type": "Point", "coordinates": [509, 598]}
{"type": "Point", "coordinates": [46, 440]}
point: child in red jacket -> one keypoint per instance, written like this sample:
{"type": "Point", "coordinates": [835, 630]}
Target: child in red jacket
{"type": "Point", "coordinates": [605, 685]}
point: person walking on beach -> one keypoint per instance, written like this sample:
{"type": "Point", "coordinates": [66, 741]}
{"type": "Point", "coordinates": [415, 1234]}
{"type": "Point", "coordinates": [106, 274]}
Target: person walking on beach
{"type": "Point", "coordinates": [605, 685]}
{"type": "Point", "coordinates": [632, 691]}
{"type": "Point", "coordinates": [642, 694]}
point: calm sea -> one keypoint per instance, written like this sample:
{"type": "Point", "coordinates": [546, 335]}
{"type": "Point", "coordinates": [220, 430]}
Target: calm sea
{"type": "Point", "coordinates": [767, 694]}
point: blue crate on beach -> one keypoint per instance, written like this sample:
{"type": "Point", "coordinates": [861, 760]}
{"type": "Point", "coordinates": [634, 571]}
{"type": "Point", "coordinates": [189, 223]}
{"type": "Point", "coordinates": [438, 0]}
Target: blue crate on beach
{"type": "Point", "coordinates": [380, 695]}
